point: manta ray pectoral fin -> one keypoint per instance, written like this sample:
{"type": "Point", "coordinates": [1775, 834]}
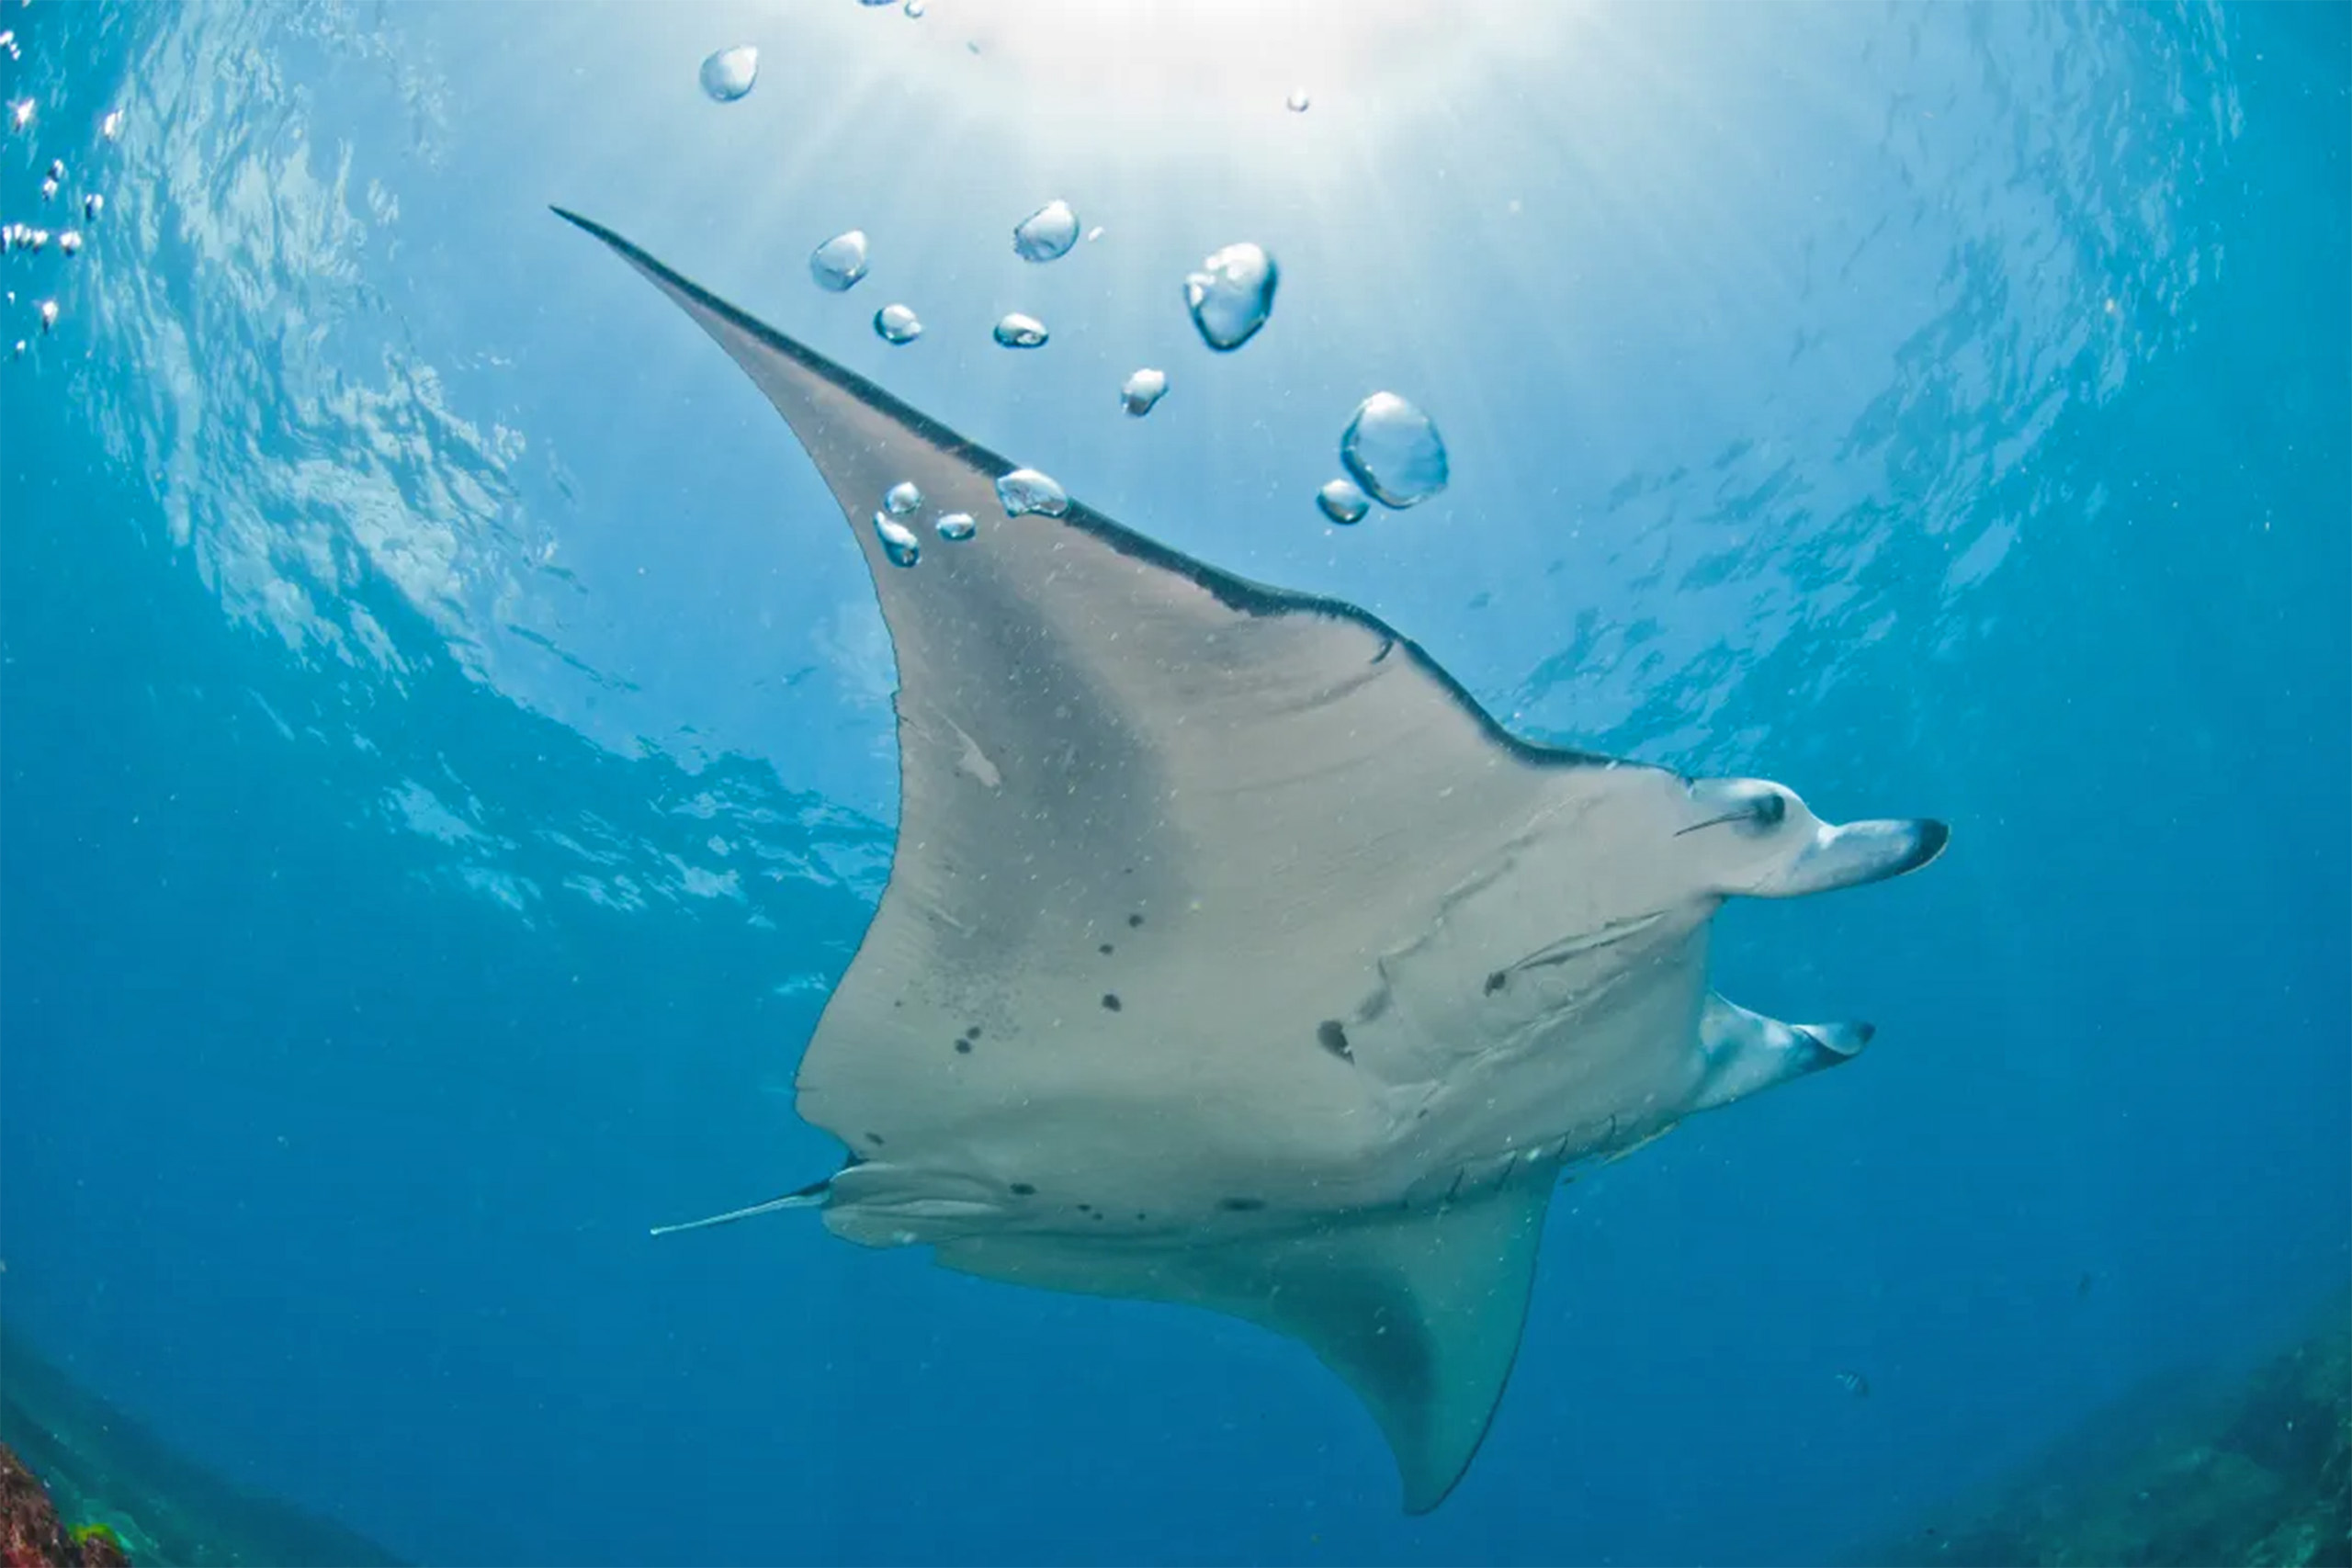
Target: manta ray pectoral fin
{"type": "Point", "coordinates": [1419, 1311]}
{"type": "Point", "coordinates": [1745, 1051]}
{"type": "Point", "coordinates": [812, 1196]}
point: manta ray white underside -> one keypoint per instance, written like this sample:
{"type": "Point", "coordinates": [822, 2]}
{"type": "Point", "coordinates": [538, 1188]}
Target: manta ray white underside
{"type": "Point", "coordinates": [1233, 955]}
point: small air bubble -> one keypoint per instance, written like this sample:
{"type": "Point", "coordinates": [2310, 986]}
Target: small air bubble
{"type": "Point", "coordinates": [1392, 449]}
{"type": "Point", "coordinates": [1298, 100]}
{"type": "Point", "coordinates": [1343, 502]}
{"type": "Point", "coordinates": [956, 527]}
{"type": "Point", "coordinates": [57, 168]}
{"type": "Point", "coordinates": [840, 262]}
{"type": "Point", "coordinates": [1045, 234]}
{"type": "Point", "coordinates": [899, 542]}
{"type": "Point", "coordinates": [22, 112]}
{"type": "Point", "coordinates": [1017, 330]}
{"type": "Point", "coordinates": [1143, 391]}
{"type": "Point", "coordinates": [914, 9]}
{"type": "Point", "coordinates": [111, 127]}
{"type": "Point", "coordinates": [897, 323]}
{"type": "Point", "coordinates": [48, 314]}
{"type": "Point", "coordinates": [48, 190]}
{"type": "Point", "coordinates": [1027, 489]}
{"type": "Point", "coordinates": [901, 498]}
{"type": "Point", "coordinates": [70, 242]}
{"type": "Point", "coordinates": [729, 74]}
{"type": "Point", "coordinates": [92, 205]}
{"type": "Point", "coordinates": [1232, 295]}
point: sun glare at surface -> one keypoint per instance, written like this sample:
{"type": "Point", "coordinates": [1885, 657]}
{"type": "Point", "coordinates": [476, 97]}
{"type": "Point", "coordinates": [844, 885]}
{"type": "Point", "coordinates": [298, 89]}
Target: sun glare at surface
{"type": "Point", "coordinates": [1185, 58]}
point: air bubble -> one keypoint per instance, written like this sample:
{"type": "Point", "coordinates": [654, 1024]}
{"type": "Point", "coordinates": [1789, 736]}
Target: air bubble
{"type": "Point", "coordinates": [898, 541]}
{"type": "Point", "coordinates": [956, 526]}
{"type": "Point", "coordinates": [1017, 330]}
{"type": "Point", "coordinates": [840, 262]}
{"type": "Point", "coordinates": [48, 190]}
{"type": "Point", "coordinates": [1343, 502]}
{"type": "Point", "coordinates": [111, 127]}
{"type": "Point", "coordinates": [92, 205]}
{"type": "Point", "coordinates": [1298, 101]}
{"type": "Point", "coordinates": [1232, 295]}
{"type": "Point", "coordinates": [902, 498]}
{"type": "Point", "coordinates": [22, 112]}
{"type": "Point", "coordinates": [48, 314]}
{"type": "Point", "coordinates": [1045, 234]}
{"type": "Point", "coordinates": [1027, 489]}
{"type": "Point", "coordinates": [70, 242]}
{"type": "Point", "coordinates": [729, 74]}
{"type": "Point", "coordinates": [1392, 449]}
{"type": "Point", "coordinates": [1143, 391]}
{"type": "Point", "coordinates": [897, 323]}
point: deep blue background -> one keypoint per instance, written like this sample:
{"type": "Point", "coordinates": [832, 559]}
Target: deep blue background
{"type": "Point", "coordinates": [443, 743]}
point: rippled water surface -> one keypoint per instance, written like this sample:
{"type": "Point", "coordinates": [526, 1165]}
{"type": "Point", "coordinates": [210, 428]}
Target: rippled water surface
{"type": "Point", "coordinates": [447, 751]}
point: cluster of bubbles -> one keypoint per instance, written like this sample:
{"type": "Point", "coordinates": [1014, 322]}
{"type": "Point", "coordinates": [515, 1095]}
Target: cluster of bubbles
{"type": "Point", "coordinates": [17, 237]}
{"type": "Point", "coordinates": [899, 544]}
{"type": "Point", "coordinates": [1390, 450]}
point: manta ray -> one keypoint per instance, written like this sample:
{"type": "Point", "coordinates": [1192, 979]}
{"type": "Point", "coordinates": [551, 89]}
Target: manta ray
{"type": "Point", "coordinates": [1232, 954]}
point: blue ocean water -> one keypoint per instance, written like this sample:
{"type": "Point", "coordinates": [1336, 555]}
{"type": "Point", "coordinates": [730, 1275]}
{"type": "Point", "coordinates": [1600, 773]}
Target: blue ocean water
{"type": "Point", "coordinates": [446, 752]}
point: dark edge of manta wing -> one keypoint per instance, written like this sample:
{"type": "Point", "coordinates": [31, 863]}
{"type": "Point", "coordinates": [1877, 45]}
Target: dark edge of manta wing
{"type": "Point", "coordinates": [1234, 593]}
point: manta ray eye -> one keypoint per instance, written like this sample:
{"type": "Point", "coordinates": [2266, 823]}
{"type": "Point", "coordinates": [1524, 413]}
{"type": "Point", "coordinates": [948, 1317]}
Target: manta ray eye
{"type": "Point", "coordinates": [1771, 809]}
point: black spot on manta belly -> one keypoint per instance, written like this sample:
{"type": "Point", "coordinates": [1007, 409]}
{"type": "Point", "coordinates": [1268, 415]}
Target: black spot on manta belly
{"type": "Point", "coordinates": [963, 1047]}
{"type": "Point", "coordinates": [1497, 981]}
{"type": "Point", "coordinates": [1023, 1190]}
{"type": "Point", "coordinates": [1104, 950]}
{"type": "Point", "coordinates": [1241, 1205]}
{"type": "Point", "coordinates": [1333, 1037]}
{"type": "Point", "coordinates": [1135, 921]}
{"type": "Point", "coordinates": [873, 1139]}
{"type": "Point", "coordinates": [1110, 1001]}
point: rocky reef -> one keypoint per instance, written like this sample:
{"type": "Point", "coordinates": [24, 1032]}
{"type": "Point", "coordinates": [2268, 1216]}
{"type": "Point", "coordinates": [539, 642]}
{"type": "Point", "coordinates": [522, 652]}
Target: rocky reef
{"type": "Point", "coordinates": [2254, 1472]}
{"type": "Point", "coordinates": [31, 1534]}
{"type": "Point", "coordinates": [84, 1483]}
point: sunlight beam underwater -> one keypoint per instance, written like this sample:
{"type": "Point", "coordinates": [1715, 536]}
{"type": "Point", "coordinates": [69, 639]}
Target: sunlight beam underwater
{"type": "Point", "coordinates": [1232, 954]}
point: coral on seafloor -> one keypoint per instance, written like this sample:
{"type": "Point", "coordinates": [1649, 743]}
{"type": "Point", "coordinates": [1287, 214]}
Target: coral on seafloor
{"type": "Point", "coordinates": [2250, 1471]}
{"type": "Point", "coordinates": [32, 1536]}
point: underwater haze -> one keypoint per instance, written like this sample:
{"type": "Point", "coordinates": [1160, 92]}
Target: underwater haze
{"type": "Point", "coordinates": [446, 755]}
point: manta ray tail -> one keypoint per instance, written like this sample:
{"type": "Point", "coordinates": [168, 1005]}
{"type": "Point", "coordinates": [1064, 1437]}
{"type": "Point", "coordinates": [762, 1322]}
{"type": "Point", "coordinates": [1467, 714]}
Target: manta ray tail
{"type": "Point", "coordinates": [812, 1196]}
